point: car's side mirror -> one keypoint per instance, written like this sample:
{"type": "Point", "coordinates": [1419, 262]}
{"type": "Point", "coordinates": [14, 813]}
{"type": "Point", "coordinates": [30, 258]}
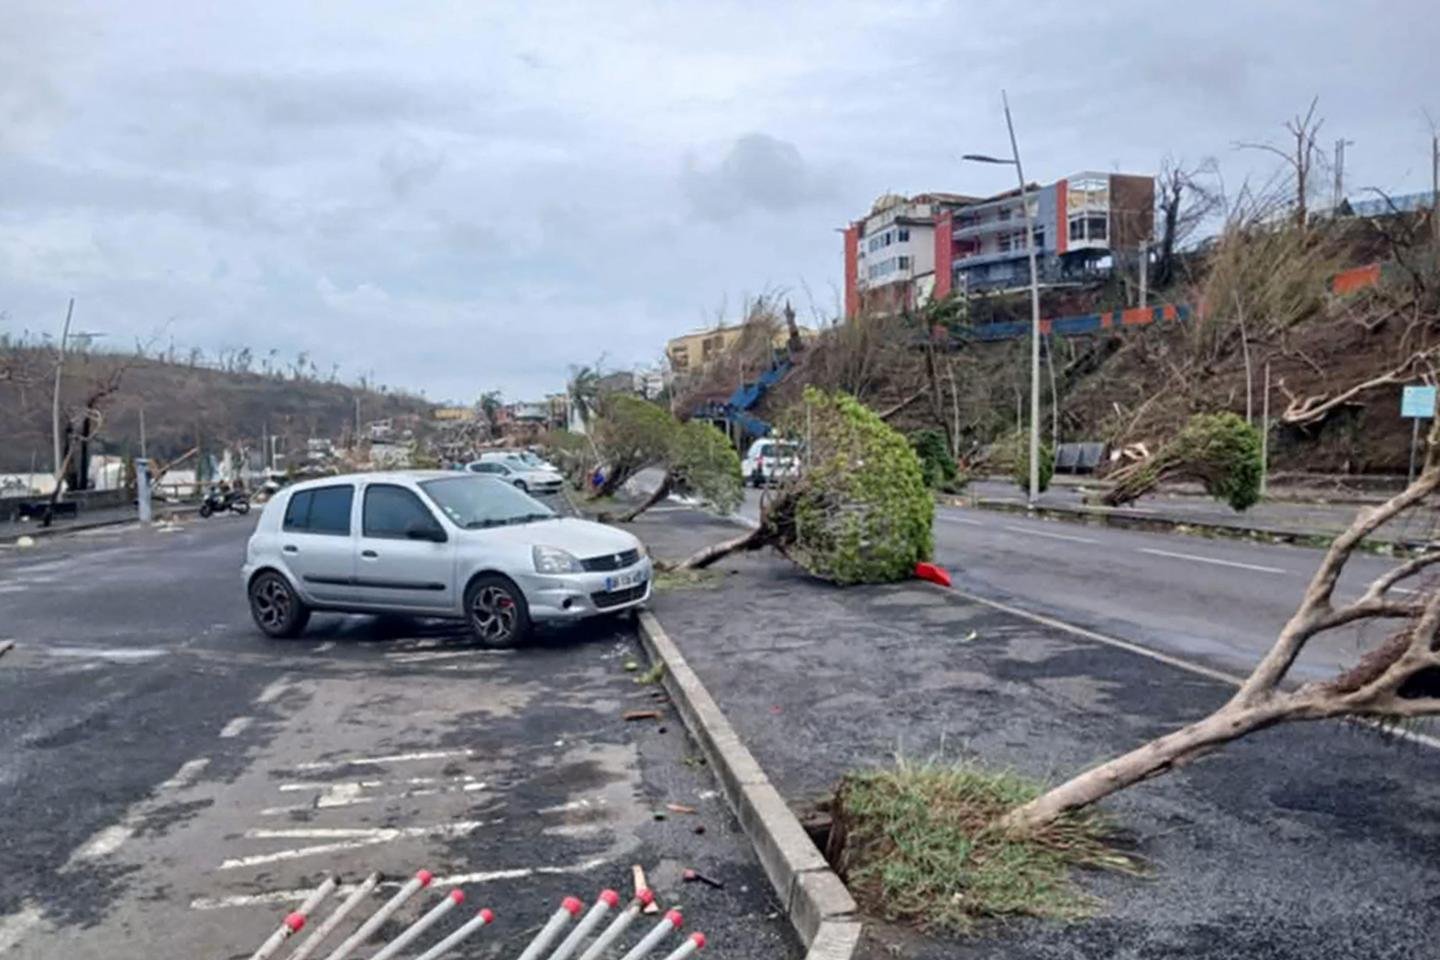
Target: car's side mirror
{"type": "Point", "coordinates": [420, 530]}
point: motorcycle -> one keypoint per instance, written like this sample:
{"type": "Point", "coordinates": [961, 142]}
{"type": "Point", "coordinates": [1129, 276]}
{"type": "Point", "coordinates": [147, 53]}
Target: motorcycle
{"type": "Point", "coordinates": [236, 501]}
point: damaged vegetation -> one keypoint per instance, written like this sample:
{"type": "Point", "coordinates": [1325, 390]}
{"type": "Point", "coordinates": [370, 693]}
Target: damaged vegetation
{"type": "Point", "coordinates": [920, 844]}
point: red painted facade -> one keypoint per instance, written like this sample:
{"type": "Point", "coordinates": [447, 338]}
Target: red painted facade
{"type": "Point", "coordinates": [852, 270]}
{"type": "Point", "coordinates": [944, 254]}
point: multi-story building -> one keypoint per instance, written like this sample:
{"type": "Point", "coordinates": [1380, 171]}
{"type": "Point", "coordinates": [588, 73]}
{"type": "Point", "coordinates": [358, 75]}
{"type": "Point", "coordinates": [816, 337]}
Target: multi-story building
{"type": "Point", "coordinates": [690, 352]}
{"type": "Point", "coordinates": [960, 244]}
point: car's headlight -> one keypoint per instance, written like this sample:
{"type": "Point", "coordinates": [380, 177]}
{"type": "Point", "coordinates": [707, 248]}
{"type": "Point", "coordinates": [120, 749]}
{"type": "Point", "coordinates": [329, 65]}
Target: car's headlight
{"type": "Point", "coordinates": [643, 550]}
{"type": "Point", "coordinates": [555, 560]}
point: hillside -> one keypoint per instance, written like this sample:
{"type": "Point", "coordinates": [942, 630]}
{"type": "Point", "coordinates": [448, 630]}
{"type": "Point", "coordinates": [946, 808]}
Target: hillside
{"type": "Point", "coordinates": [181, 402]}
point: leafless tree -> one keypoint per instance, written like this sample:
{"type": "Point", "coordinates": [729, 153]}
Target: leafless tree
{"type": "Point", "coordinates": [1184, 197]}
{"type": "Point", "coordinates": [1396, 680]}
{"type": "Point", "coordinates": [1301, 156]}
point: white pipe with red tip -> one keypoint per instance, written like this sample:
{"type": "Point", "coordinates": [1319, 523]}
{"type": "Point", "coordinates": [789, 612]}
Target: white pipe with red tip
{"type": "Point", "coordinates": [481, 919]}
{"type": "Point", "coordinates": [617, 926]}
{"type": "Point", "coordinates": [671, 921]}
{"type": "Point", "coordinates": [318, 935]}
{"type": "Point", "coordinates": [408, 890]}
{"type": "Point", "coordinates": [294, 922]}
{"type": "Point", "coordinates": [452, 900]}
{"type": "Point", "coordinates": [695, 942]}
{"type": "Point", "coordinates": [569, 909]}
{"type": "Point", "coordinates": [607, 901]}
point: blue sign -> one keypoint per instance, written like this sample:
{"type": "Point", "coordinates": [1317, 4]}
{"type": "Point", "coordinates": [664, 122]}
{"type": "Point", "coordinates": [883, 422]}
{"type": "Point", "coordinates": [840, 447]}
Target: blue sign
{"type": "Point", "coordinates": [1417, 403]}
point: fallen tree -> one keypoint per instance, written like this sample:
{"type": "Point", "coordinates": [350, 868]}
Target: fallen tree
{"type": "Point", "coordinates": [699, 461]}
{"type": "Point", "coordinates": [1394, 681]}
{"type": "Point", "coordinates": [1220, 450]}
{"type": "Point", "coordinates": [630, 434]}
{"type": "Point", "coordinates": [859, 512]}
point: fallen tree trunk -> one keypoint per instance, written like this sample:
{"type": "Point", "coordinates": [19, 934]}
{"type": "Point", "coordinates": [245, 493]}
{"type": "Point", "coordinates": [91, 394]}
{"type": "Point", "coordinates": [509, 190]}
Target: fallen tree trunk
{"type": "Point", "coordinates": [1312, 409]}
{"type": "Point", "coordinates": [703, 558]}
{"type": "Point", "coordinates": [659, 493]}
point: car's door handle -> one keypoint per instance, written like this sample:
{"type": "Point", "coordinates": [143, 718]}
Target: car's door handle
{"type": "Point", "coordinates": [369, 554]}
{"type": "Point", "coordinates": [291, 548]}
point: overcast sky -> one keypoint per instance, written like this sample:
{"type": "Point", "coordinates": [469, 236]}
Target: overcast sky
{"type": "Point", "coordinates": [474, 195]}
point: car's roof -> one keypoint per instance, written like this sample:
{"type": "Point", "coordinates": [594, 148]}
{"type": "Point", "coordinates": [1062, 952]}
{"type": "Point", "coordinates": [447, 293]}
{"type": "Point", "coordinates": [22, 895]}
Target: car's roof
{"type": "Point", "coordinates": [378, 476]}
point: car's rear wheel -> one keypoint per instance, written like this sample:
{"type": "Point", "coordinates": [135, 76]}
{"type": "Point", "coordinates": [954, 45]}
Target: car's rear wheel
{"type": "Point", "coordinates": [277, 610]}
{"type": "Point", "coordinates": [496, 610]}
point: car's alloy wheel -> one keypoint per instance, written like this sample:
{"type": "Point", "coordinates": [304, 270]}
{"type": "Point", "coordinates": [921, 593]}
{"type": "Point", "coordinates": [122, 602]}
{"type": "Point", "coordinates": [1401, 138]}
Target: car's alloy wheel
{"type": "Point", "coordinates": [497, 611]}
{"type": "Point", "coordinates": [276, 609]}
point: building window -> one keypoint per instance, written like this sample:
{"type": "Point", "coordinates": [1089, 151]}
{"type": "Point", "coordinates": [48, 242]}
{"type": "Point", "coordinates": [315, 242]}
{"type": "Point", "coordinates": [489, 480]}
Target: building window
{"type": "Point", "coordinates": [1095, 228]}
{"type": "Point", "coordinates": [1004, 214]}
{"type": "Point", "coordinates": [1077, 228]}
{"type": "Point", "coordinates": [904, 263]}
{"type": "Point", "coordinates": [903, 234]}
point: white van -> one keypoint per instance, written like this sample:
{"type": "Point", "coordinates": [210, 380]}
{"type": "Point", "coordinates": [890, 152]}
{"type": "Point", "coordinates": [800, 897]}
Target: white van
{"type": "Point", "coordinates": [769, 460]}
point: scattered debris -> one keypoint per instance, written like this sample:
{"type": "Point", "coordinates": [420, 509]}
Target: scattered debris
{"type": "Point", "coordinates": [654, 674]}
{"type": "Point", "coordinates": [969, 637]}
{"type": "Point", "coordinates": [25, 541]}
{"type": "Point", "coordinates": [659, 815]}
{"type": "Point", "coordinates": [698, 828]}
{"type": "Point", "coordinates": [695, 876]}
{"type": "Point", "coordinates": [660, 729]}
{"type": "Point", "coordinates": [6, 646]}
{"type": "Point", "coordinates": [640, 715]}
{"type": "Point", "coordinates": [680, 808]}
{"type": "Point", "coordinates": [638, 872]}
{"type": "Point", "coordinates": [631, 666]}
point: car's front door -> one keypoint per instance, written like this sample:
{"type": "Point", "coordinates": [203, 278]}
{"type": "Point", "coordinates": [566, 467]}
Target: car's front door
{"type": "Point", "coordinates": [404, 557]}
{"type": "Point", "coordinates": [316, 542]}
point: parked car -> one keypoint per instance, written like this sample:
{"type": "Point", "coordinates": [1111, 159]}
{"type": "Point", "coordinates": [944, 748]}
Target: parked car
{"type": "Point", "coordinates": [520, 474]}
{"type": "Point", "coordinates": [770, 460]}
{"type": "Point", "coordinates": [523, 459]}
{"type": "Point", "coordinates": [435, 544]}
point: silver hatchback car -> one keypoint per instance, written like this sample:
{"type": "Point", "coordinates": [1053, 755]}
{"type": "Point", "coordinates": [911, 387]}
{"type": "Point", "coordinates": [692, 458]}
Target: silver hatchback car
{"type": "Point", "coordinates": [435, 544]}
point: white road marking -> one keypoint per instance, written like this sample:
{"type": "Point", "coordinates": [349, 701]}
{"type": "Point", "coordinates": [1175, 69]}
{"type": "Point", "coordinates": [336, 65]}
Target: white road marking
{"type": "Point", "coordinates": [1052, 536]}
{"type": "Point", "coordinates": [372, 838]}
{"type": "Point", "coordinates": [104, 653]}
{"type": "Point", "coordinates": [297, 896]}
{"type": "Point", "coordinates": [392, 758]}
{"type": "Point", "coordinates": [318, 833]}
{"type": "Point", "coordinates": [345, 798]}
{"type": "Point", "coordinates": [572, 805]}
{"type": "Point", "coordinates": [425, 657]}
{"type": "Point", "coordinates": [1219, 563]}
{"type": "Point", "coordinates": [966, 520]}
{"type": "Point", "coordinates": [13, 927]}
{"type": "Point", "coordinates": [111, 838]}
{"type": "Point", "coordinates": [273, 691]}
{"type": "Point", "coordinates": [236, 727]}
{"type": "Point", "coordinates": [325, 647]}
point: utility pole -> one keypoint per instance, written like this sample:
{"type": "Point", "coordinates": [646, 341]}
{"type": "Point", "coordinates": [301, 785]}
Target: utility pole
{"type": "Point", "coordinates": [1340, 146]}
{"type": "Point", "coordinates": [142, 434]}
{"type": "Point", "coordinates": [1034, 493]}
{"type": "Point", "coordinates": [1265, 434]}
{"type": "Point", "coordinates": [1144, 273]}
{"type": "Point", "coordinates": [1435, 185]}
{"type": "Point", "coordinates": [55, 403]}
{"type": "Point", "coordinates": [357, 420]}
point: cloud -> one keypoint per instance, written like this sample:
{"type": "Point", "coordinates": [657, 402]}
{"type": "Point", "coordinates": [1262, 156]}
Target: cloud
{"type": "Point", "coordinates": [759, 172]}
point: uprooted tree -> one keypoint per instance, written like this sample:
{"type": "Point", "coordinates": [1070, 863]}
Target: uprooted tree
{"type": "Point", "coordinates": [859, 512]}
{"type": "Point", "coordinates": [1220, 450]}
{"type": "Point", "coordinates": [699, 461]}
{"type": "Point", "coordinates": [1394, 681]}
{"type": "Point", "coordinates": [630, 434]}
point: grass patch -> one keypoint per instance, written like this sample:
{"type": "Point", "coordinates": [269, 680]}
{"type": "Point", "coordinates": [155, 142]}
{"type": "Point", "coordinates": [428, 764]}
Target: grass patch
{"type": "Point", "coordinates": [682, 579]}
{"type": "Point", "coordinates": [655, 674]}
{"type": "Point", "coordinates": [918, 844]}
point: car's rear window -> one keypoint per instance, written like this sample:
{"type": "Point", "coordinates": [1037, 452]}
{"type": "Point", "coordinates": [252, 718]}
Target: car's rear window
{"type": "Point", "coordinates": [321, 510]}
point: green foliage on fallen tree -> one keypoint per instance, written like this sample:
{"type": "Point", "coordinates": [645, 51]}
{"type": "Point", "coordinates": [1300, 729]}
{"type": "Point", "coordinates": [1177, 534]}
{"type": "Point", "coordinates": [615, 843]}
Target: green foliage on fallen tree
{"type": "Point", "coordinates": [630, 435]}
{"type": "Point", "coordinates": [1220, 450]}
{"type": "Point", "coordinates": [936, 464]}
{"type": "Point", "coordinates": [860, 511]}
{"type": "Point", "coordinates": [703, 463]}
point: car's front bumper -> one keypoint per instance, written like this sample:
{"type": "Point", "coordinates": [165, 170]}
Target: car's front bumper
{"type": "Point", "coordinates": [573, 596]}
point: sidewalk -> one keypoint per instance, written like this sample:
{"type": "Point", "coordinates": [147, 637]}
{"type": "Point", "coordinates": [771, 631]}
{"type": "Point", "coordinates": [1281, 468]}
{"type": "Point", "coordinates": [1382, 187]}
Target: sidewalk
{"type": "Point", "coordinates": [1285, 521]}
{"type": "Point", "coordinates": [86, 520]}
{"type": "Point", "coordinates": [1299, 842]}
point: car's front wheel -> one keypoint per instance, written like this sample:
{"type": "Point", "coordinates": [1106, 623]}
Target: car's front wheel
{"type": "Point", "coordinates": [277, 610]}
{"type": "Point", "coordinates": [496, 610]}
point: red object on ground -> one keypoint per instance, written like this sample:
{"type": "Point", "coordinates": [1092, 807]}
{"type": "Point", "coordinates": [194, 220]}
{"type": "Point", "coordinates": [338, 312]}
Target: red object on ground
{"type": "Point", "coordinates": [424, 876]}
{"type": "Point", "coordinates": [699, 939]}
{"type": "Point", "coordinates": [928, 571]}
{"type": "Point", "coordinates": [645, 896]}
{"type": "Point", "coordinates": [457, 895]}
{"type": "Point", "coordinates": [675, 919]}
{"type": "Point", "coordinates": [295, 922]}
{"type": "Point", "coordinates": [573, 905]}
{"type": "Point", "coordinates": [611, 898]}
{"type": "Point", "coordinates": [487, 915]}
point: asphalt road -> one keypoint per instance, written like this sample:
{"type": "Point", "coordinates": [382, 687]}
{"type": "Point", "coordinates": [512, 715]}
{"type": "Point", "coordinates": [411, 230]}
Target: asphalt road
{"type": "Point", "coordinates": [172, 782]}
{"type": "Point", "coordinates": [1218, 602]}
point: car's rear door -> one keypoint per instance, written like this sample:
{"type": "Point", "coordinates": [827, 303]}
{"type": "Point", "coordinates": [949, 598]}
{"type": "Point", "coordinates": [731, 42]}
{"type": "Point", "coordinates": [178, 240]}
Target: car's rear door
{"type": "Point", "coordinates": [393, 569]}
{"type": "Point", "coordinates": [316, 541]}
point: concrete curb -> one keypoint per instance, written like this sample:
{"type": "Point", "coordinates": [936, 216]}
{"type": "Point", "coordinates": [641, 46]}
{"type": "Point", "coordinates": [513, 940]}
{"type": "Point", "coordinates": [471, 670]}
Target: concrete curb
{"type": "Point", "coordinates": [1105, 518]}
{"type": "Point", "coordinates": [820, 909]}
{"type": "Point", "coordinates": [41, 533]}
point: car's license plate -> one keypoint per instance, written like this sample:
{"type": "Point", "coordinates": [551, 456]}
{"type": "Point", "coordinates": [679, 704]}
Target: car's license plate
{"type": "Point", "coordinates": [622, 580]}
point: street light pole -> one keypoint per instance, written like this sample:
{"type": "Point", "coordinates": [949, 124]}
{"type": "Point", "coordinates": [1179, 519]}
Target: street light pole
{"type": "Point", "coordinates": [55, 403]}
{"type": "Point", "coordinates": [1034, 312]}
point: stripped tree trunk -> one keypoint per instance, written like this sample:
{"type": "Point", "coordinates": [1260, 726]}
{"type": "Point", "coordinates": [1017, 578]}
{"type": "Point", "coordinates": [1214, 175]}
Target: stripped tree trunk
{"type": "Point", "coordinates": [660, 493]}
{"type": "Point", "coordinates": [701, 559]}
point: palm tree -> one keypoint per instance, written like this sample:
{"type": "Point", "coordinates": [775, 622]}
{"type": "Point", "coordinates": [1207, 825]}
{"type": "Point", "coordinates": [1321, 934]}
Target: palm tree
{"type": "Point", "coordinates": [490, 403]}
{"type": "Point", "coordinates": [584, 392]}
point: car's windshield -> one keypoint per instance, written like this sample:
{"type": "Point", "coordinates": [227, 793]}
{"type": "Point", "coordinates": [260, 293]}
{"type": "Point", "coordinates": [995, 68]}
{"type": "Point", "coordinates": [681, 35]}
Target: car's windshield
{"type": "Point", "coordinates": [474, 502]}
{"type": "Point", "coordinates": [778, 450]}
{"type": "Point", "coordinates": [531, 460]}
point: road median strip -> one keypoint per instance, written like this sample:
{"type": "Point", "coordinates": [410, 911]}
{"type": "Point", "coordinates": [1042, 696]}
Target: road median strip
{"type": "Point", "coordinates": [819, 907]}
